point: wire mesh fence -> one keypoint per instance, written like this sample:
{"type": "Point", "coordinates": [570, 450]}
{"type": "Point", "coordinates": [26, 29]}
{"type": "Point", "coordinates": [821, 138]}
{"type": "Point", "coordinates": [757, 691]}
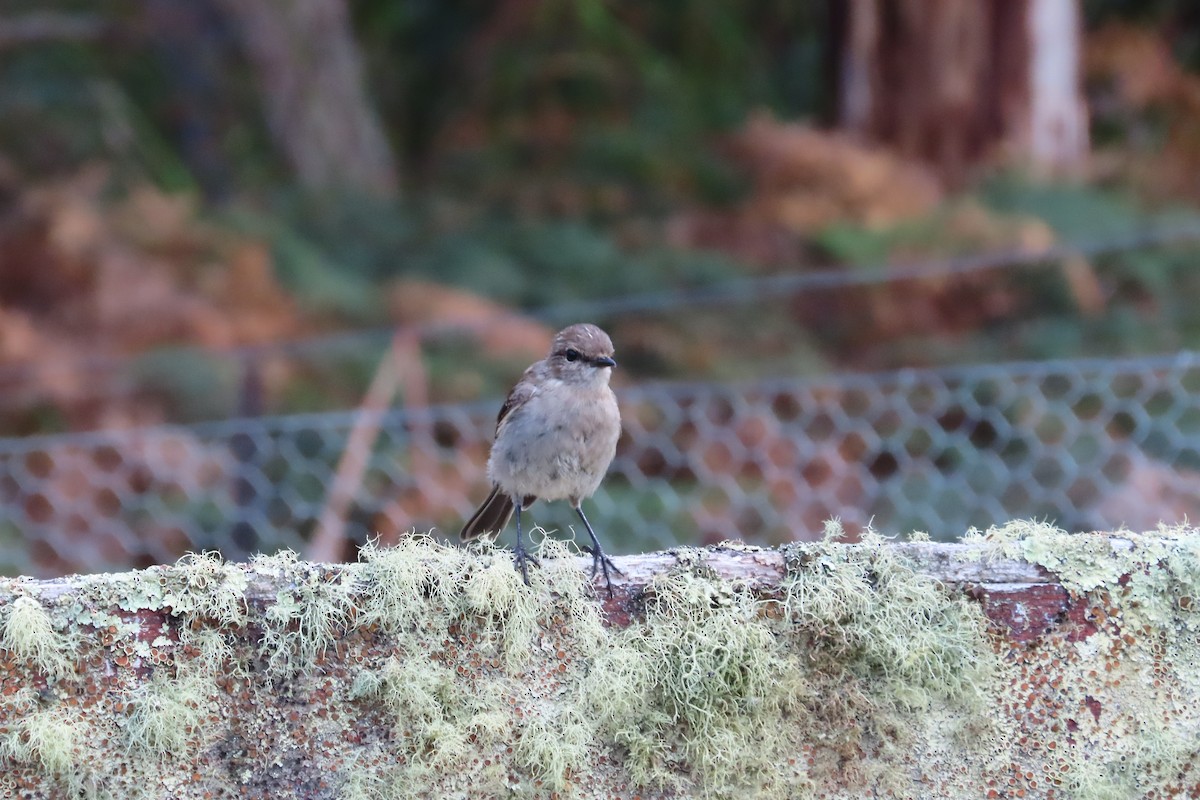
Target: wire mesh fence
{"type": "Point", "coordinates": [1086, 444]}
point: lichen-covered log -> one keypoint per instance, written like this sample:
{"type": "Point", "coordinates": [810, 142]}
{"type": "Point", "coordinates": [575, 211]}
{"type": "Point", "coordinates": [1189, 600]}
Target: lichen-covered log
{"type": "Point", "coordinates": [1023, 662]}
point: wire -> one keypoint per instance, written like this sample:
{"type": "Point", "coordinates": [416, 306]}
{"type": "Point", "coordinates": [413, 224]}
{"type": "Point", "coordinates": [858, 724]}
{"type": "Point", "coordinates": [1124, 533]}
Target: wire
{"type": "Point", "coordinates": [483, 410]}
{"type": "Point", "coordinates": [749, 289]}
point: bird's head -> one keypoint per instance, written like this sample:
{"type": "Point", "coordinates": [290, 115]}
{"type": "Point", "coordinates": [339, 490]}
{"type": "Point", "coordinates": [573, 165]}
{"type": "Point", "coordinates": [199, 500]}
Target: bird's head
{"type": "Point", "coordinates": [582, 354]}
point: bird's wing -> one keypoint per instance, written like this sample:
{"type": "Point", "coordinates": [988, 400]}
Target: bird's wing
{"type": "Point", "coordinates": [518, 396]}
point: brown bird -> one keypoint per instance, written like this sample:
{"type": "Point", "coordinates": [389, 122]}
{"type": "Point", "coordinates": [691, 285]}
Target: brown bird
{"type": "Point", "coordinates": [555, 437]}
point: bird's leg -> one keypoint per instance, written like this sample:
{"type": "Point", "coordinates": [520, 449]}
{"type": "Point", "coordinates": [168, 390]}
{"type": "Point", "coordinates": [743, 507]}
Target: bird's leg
{"type": "Point", "coordinates": [599, 560]}
{"type": "Point", "coordinates": [519, 555]}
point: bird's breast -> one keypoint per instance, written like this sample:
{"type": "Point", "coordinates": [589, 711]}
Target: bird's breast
{"type": "Point", "coordinates": [558, 444]}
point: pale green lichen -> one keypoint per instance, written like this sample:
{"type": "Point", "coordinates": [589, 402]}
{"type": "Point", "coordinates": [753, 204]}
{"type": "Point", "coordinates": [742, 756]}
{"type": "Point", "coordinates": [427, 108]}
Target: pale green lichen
{"type": "Point", "coordinates": [307, 616]}
{"type": "Point", "coordinates": [396, 582]}
{"type": "Point", "coordinates": [419, 587]}
{"type": "Point", "coordinates": [438, 603]}
{"type": "Point", "coordinates": [207, 587]}
{"type": "Point", "coordinates": [924, 642]}
{"type": "Point", "coordinates": [1136, 735]}
{"type": "Point", "coordinates": [554, 742]}
{"type": "Point", "coordinates": [200, 593]}
{"type": "Point", "coordinates": [431, 713]}
{"type": "Point", "coordinates": [703, 685]}
{"type": "Point", "coordinates": [431, 670]}
{"type": "Point", "coordinates": [29, 632]}
{"type": "Point", "coordinates": [1153, 576]}
{"type": "Point", "coordinates": [165, 715]}
{"type": "Point", "coordinates": [45, 737]}
{"type": "Point", "coordinates": [900, 664]}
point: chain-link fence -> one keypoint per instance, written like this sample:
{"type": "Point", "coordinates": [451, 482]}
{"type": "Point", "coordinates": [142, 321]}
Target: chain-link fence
{"type": "Point", "coordinates": [1087, 444]}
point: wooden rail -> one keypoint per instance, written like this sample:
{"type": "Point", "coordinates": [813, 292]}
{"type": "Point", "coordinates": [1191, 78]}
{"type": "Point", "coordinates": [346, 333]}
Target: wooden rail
{"type": "Point", "coordinates": [1022, 663]}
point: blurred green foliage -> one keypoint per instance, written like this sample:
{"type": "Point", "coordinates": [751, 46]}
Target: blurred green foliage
{"type": "Point", "coordinates": [1074, 211]}
{"type": "Point", "coordinates": [334, 257]}
{"type": "Point", "coordinates": [665, 71]}
{"type": "Point", "coordinates": [195, 385]}
{"type": "Point", "coordinates": [1147, 292]}
{"type": "Point", "coordinates": [543, 146]}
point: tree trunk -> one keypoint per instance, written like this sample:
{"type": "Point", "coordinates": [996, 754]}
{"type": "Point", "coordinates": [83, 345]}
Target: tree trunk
{"type": "Point", "coordinates": [1058, 133]}
{"type": "Point", "coordinates": [311, 78]}
{"type": "Point", "coordinates": [954, 82]}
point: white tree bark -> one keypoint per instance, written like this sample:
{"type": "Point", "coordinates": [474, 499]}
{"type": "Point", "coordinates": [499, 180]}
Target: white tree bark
{"type": "Point", "coordinates": [954, 82]}
{"type": "Point", "coordinates": [857, 64]}
{"type": "Point", "coordinates": [1058, 118]}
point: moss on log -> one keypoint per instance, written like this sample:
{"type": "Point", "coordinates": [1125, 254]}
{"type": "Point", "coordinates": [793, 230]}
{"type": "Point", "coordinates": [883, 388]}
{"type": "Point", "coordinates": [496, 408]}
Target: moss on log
{"type": "Point", "coordinates": [1021, 662]}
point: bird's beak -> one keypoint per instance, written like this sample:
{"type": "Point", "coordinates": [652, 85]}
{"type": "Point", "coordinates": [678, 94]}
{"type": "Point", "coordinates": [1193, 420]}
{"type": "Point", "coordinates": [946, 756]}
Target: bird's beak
{"type": "Point", "coordinates": [603, 361]}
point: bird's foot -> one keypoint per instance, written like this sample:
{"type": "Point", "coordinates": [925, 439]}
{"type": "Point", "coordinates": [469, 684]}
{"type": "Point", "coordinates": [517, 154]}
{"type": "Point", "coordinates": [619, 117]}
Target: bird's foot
{"type": "Point", "coordinates": [520, 559]}
{"type": "Point", "coordinates": [604, 564]}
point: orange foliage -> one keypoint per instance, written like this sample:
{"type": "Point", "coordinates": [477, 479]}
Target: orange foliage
{"type": "Point", "coordinates": [83, 278]}
{"type": "Point", "coordinates": [508, 335]}
{"type": "Point", "coordinates": [804, 180]}
{"type": "Point", "coordinates": [1137, 82]}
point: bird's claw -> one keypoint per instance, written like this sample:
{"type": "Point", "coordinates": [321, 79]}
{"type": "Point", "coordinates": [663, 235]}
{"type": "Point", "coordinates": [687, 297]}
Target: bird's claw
{"type": "Point", "coordinates": [604, 564]}
{"type": "Point", "coordinates": [520, 558]}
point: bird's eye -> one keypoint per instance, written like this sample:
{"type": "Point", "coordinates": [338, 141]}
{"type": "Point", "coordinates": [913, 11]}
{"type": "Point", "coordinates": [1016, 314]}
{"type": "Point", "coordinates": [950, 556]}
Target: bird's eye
{"type": "Point", "coordinates": [572, 355]}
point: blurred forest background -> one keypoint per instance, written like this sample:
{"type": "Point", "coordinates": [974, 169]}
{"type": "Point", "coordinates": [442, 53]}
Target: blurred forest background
{"type": "Point", "coordinates": [226, 209]}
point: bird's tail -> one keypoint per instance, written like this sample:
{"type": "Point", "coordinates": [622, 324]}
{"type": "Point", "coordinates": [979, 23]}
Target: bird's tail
{"type": "Point", "coordinates": [491, 517]}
